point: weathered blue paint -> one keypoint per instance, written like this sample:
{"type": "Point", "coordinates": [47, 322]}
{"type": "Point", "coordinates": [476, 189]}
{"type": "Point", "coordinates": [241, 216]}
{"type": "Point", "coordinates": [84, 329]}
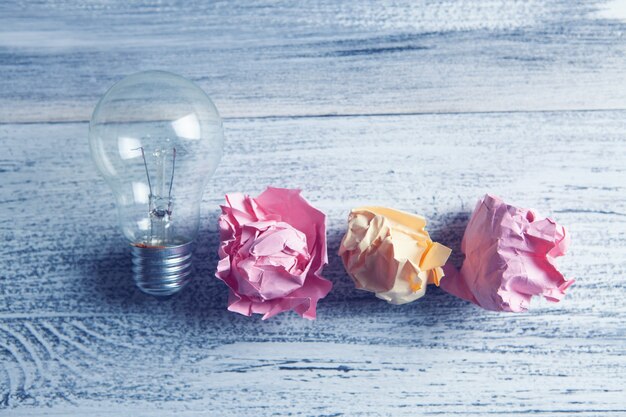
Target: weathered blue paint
{"type": "Point", "coordinates": [423, 107]}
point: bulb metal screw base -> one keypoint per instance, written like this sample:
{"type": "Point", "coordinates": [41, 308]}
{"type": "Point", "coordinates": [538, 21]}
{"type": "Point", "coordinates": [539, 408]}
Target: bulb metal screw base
{"type": "Point", "coordinates": [162, 270]}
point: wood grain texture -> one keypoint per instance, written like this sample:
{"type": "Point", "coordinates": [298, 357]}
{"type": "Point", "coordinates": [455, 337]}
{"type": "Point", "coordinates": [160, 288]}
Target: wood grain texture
{"type": "Point", "coordinates": [265, 58]}
{"type": "Point", "coordinates": [76, 338]}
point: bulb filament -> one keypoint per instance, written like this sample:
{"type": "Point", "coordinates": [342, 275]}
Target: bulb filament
{"type": "Point", "coordinates": [160, 217]}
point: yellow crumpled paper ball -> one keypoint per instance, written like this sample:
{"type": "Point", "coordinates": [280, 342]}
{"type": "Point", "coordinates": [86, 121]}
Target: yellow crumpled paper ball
{"type": "Point", "coordinates": [389, 253]}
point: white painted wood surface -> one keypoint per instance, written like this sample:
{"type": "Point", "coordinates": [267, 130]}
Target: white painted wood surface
{"type": "Point", "coordinates": [423, 106]}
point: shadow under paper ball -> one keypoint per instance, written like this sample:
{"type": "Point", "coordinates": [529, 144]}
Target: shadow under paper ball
{"type": "Point", "coordinates": [450, 234]}
{"type": "Point", "coordinates": [343, 286]}
{"type": "Point", "coordinates": [435, 306]}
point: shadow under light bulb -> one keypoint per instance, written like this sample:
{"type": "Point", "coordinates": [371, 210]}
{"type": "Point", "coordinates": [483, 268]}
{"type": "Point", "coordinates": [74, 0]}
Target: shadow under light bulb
{"type": "Point", "coordinates": [157, 139]}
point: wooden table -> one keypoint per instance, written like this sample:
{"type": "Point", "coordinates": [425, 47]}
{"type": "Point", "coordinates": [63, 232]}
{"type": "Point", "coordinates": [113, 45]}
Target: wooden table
{"type": "Point", "coordinates": [421, 106]}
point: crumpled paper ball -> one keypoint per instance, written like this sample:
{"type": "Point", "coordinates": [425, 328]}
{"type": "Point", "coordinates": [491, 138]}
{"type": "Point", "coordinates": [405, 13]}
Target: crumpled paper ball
{"type": "Point", "coordinates": [272, 252]}
{"type": "Point", "coordinates": [509, 257]}
{"type": "Point", "coordinates": [389, 253]}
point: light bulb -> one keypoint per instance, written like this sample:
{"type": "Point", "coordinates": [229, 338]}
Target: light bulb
{"type": "Point", "coordinates": [157, 139]}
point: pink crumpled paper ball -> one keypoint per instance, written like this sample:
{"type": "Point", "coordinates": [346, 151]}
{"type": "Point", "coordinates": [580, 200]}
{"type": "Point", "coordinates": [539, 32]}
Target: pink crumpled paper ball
{"type": "Point", "coordinates": [509, 257]}
{"type": "Point", "coordinates": [272, 252]}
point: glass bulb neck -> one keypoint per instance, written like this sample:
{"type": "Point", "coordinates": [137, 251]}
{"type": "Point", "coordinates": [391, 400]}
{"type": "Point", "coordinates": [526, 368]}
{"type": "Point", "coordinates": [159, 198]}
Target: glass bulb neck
{"type": "Point", "coordinates": [161, 229]}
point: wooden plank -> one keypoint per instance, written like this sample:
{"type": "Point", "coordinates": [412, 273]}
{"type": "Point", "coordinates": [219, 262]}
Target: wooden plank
{"type": "Point", "coordinates": [78, 339]}
{"type": "Point", "coordinates": [261, 58]}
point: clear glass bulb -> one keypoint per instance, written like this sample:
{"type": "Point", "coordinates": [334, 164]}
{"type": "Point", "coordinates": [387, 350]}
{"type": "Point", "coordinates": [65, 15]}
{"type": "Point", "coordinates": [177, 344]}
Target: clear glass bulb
{"type": "Point", "coordinates": [157, 139]}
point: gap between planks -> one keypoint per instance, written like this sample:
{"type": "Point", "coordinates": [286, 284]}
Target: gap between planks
{"type": "Point", "coordinates": [350, 115]}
